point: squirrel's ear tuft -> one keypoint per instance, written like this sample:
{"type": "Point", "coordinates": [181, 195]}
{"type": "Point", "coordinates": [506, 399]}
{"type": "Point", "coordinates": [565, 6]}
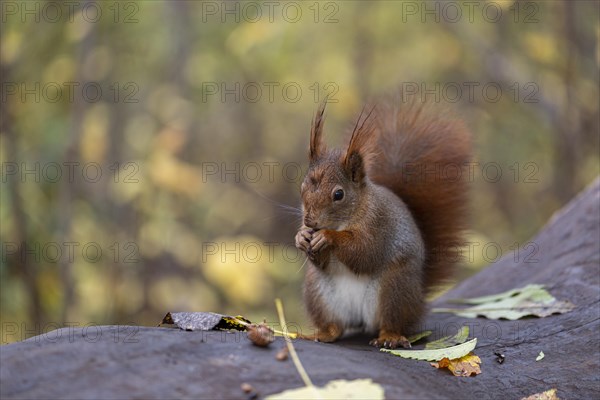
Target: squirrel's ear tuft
{"type": "Point", "coordinates": [359, 148]}
{"type": "Point", "coordinates": [317, 147]}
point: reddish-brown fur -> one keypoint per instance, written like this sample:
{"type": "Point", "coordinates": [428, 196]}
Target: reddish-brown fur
{"type": "Point", "coordinates": [413, 135]}
{"type": "Point", "coordinates": [396, 227]}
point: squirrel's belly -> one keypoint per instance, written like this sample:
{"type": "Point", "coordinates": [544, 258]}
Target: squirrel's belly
{"type": "Point", "coordinates": [351, 299]}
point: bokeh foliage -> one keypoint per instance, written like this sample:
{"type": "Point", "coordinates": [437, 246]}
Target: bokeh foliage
{"type": "Point", "coordinates": [176, 237]}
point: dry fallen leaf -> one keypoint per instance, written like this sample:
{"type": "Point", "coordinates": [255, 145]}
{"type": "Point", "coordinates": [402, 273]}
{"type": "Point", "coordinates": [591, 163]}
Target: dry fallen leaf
{"type": "Point", "coordinates": [338, 389]}
{"type": "Point", "coordinates": [464, 366]}
{"type": "Point", "coordinates": [204, 321]}
{"type": "Point", "coordinates": [547, 395]}
{"type": "Point", "coordinates": [512, 305]}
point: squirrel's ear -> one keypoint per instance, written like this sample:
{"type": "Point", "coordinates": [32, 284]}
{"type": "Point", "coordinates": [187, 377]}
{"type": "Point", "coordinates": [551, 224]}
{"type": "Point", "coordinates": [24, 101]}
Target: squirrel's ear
{"type": "Point", "coordinates": [317, 147]}
{"type": "Point", "coordinates": [359, 148]}
{"type": "Point", "coordinates": [355, 167]}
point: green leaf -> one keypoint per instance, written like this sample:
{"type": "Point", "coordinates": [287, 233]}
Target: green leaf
{"type": "Point", "coordinates": [338, 389]}
{"type": "Point", "coordinates": [437, 354]}
{"type": "Point", "coordinates": [418, 336]}
{"type": "Point", "coordinates": [512, 305]}
{"type": "Point", "coordinates": [449, 341]}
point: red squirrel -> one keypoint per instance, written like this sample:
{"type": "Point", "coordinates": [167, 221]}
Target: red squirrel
{"type": "Point", "coordinates": [382, 220]}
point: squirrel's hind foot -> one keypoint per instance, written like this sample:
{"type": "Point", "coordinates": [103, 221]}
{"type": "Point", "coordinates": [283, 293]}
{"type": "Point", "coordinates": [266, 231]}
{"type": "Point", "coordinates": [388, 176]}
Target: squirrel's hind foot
{"type": "Point", "coordinates": [330, 334]}
{"type": "Point", "coordinates": [390, 341]}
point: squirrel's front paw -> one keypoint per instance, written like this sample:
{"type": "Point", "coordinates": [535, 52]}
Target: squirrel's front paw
{"type": "Point", "coordinates": [320, 241]}
{"type": "Point", "coordinates": [303, 238]}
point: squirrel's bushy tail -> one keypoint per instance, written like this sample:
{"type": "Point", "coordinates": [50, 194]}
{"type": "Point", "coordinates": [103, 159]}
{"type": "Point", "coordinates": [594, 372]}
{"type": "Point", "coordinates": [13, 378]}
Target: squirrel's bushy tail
{"type": "Point", "coordinates": [422, 157]}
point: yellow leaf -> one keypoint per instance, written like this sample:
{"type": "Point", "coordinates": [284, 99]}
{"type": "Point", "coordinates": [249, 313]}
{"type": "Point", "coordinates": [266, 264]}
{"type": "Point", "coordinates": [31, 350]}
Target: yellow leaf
{"type": "Point", "coordinates": [464, 366]}
{"type": "Point", "coordinates": [338, 389]}
{"type": "Point", "coordinates": [547, 395]}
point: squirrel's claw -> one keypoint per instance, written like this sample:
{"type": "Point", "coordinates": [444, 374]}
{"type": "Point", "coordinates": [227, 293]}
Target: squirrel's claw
{"type": "Point", "coordinates": [392, 342]}
{"type": "Point", "coordinates": [303, 238]}
{"type": "Point", "coordinates": [319, 241]}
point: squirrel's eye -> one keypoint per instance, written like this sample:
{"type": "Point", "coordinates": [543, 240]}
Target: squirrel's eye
{"type": "Point", "coordinates": [338, 195]}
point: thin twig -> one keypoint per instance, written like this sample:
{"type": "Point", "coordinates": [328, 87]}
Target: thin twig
{"type": "Point", "coordinates": [275, 331]}
{"type": "Point", "coordinates": [291, 348]}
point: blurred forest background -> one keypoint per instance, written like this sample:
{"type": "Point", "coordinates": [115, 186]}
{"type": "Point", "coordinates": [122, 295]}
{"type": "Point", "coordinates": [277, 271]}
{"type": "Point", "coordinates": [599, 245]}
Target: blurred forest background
{"type": "Point", "coordinates": [147, 147]}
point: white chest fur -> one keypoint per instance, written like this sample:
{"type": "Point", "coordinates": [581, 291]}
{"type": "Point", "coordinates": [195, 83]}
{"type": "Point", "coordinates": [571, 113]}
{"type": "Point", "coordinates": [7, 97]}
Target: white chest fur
{"type": "Point", "coordinates": [353, 300]}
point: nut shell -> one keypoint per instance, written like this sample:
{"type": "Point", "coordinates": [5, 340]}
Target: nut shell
{"type": "Point", "coordinates": [260, 335]}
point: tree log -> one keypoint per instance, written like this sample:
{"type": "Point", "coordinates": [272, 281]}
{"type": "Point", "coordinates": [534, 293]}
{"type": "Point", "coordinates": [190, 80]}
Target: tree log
{"type": "Point", "coordinates": [143, 362]}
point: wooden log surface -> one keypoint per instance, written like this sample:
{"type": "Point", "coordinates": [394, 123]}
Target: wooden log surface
{"type": "Point", "coordinates": [144, 362]}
